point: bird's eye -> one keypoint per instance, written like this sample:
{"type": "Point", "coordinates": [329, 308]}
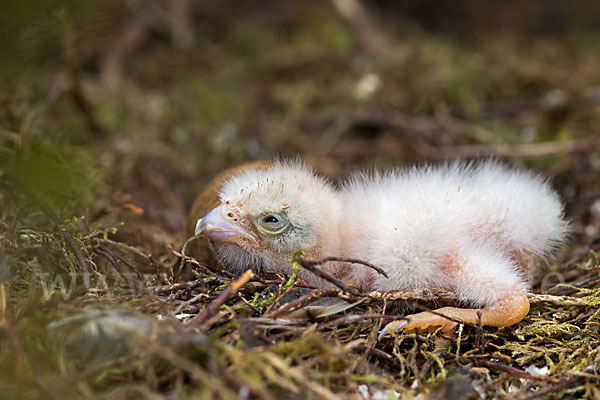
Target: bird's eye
{"type": "Point", "coordinates": [273, 224]}
{"type": "Point", "coordinates": [270, 219]}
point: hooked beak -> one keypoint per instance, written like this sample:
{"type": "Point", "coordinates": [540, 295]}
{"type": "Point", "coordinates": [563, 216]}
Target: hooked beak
{"type": "Point", "coordinates": [214, 227]}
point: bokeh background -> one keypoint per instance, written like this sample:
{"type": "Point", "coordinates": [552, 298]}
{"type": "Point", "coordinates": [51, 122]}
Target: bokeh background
{"type": "Point", "coordinates": [114, 114]}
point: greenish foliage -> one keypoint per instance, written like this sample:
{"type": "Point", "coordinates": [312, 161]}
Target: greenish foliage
{"type": "Point", "coordinates": [29, 37]}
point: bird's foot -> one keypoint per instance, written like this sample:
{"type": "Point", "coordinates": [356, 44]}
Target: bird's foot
{"type": "Point", "coordinates": [423, 322]}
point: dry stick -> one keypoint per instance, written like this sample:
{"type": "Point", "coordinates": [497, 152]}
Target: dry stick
{"type": "Point", "coordinates": [225, 295]}
{"type": "Point", "coordinates": [249, 304]}
{"type": "Point", "coordinates": [418, 125]}
{"type": "Point", "coordinates": [556, 300]}
{"type": "Point", "coordinates": [124, 261]}
{"type": "Point", "coordinates": [425, 294]}
{"type": "Point", "coordinates": [421, 294]}
{"type": "Point", "coordinates": [479, 335]}
{"type": "Point", "coordinates": [187, 259]}
{"type": "Point", "coordinates": [584, 283]}
{"type": "Point", "coordinates": [179, 22]}
{"type": "Point", "coordinates": [361, 23]}
{"type": "Point", "coordinates": [429, 294]}
{"type": "Point", "coordinates": [176, 286]}
{"type": "Point", "coordinates": [437, 294]}
{"type": "Point", "coordinates": [378, 354]}
{"type": "Point", "coordinates": [312, 267]}
{"type": "Point", "coordinates": [303, 301]}
{"type": "Point", "coordinates": [347, 260]}
{"type": "Point", "coordinates": [413, 364]}
{"type": "Point", "coordinates": [3, 304]}
{"type": "Point", "coordinates": [352, 317]}
{"type": "Point", "coordinates": [513, 371]}
{"type": "Point", "coordinates": [74, 247]}
{"type": "Point", "coordinates": [554, 388]}
{"type": "Point", "coordinates": [134, 251]}
{"type": "Point", "coordinates": [111, 259]}
{"type": "Point", "coordinates": [345, 318]}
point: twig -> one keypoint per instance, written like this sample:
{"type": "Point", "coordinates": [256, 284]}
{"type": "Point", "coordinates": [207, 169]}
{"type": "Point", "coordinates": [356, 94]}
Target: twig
{"type": "Point", "coordinates": [249, 304]}
{"type": "Point", "coordinates": [354, 317]}
{"type": "Point", "coordinates": [425, 294]}
{"type": "Point", "coordinates": [176, 286]}
{"type": "Point", "coordinates": [346, 260]}
{"type": "Point", "coordinates": [225, 295]}
{"type": "Point", "coordinates": [111, 259]}
{"type": "Point", "coordinates": [132, 251]}
{"type": "Point", "coordinates": [429, 295]}
{"type": "Point", "coordinates": [380, 355]}
{"type": "Point", "coordinates": [312, 267]}
{"type": "Point", "coordinates": [554, 388]}
{"type": "Point", "coordinates": [124, 261]}
{"type": "Point", "coordinates": [188, 259]}
{"type": "Point", "coordinates": [360, 22]}
{"type": "Point", "coordinates": [412, 362]}
{"type": "Point", "coordinates": [72, 244]}
{"type": "Point", "coordinates": [584, 283]}
{"type": "Point", "coordinates": [513, 371]}
{"type": "Point", "coordinates": [535, 298]}
{"type": "Point", "coordinates": [303, 301]}
{"type": "Point", "coordinates": [179, 22]}
{"type": "Point", "coordinates": [438, 294]}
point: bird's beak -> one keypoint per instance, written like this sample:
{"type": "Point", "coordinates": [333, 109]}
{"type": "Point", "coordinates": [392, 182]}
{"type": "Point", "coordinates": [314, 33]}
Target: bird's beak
{"type": "Point", "coordinates": [214, 227]}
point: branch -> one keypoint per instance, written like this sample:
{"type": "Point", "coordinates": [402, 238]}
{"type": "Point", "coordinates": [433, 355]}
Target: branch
{"type": "Point", "coordinates": [347, 260]}
{"type": "Point", "coordinates": [519, 373]}
{"type": "Point", "coordinates": [306, 300]}
{"type": "Point", "coordinates": [312, 267]}
{"type": "Point", "coordinates": [437, 294]}
{"type": "Point", "coordinates": [225, 295]}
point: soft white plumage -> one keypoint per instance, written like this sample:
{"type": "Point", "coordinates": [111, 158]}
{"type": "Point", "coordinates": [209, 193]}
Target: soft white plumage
{"type": "Point", "coordinates": [469, 227]}
{"type": "Point", "coordinates": [484, 217]}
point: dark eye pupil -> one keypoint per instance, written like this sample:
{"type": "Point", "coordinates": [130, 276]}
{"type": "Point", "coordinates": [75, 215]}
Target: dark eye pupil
{"type": "Point", "coordinates": [271, 219]}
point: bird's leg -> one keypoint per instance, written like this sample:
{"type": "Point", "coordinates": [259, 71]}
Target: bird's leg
{"type": "Point", "coordinates": [507, 311]}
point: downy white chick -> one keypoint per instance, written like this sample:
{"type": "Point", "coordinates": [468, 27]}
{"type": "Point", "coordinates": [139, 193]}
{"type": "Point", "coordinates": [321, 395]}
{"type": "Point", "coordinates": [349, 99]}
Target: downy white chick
{"type": "Point", "coordinates": [477, 229]}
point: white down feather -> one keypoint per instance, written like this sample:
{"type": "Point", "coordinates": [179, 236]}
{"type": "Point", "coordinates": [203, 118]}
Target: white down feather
{"type": "Point", "coordinates": [481, 215]}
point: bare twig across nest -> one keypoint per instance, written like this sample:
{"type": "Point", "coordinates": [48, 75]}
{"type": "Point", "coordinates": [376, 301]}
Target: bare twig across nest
{"type": "Point", "coordinates": [306, 262]}
{"type": "Point", "coordinates": [438, 294]}
{"type": "Point", "coordinates": [311, 265]}
{"type": "Point", "coordinates": [348, 293]}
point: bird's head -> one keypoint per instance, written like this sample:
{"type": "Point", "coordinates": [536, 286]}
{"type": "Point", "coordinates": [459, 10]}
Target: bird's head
{"type": "Point", "coordinates": [265, 215]}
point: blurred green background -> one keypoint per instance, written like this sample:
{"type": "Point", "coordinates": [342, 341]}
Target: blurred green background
{"type": "Point", "coordinates": [153, 98]}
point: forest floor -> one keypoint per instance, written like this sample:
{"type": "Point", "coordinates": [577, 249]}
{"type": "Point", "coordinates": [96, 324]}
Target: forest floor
{"type": "Point", "coordinates": [113, 119]}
